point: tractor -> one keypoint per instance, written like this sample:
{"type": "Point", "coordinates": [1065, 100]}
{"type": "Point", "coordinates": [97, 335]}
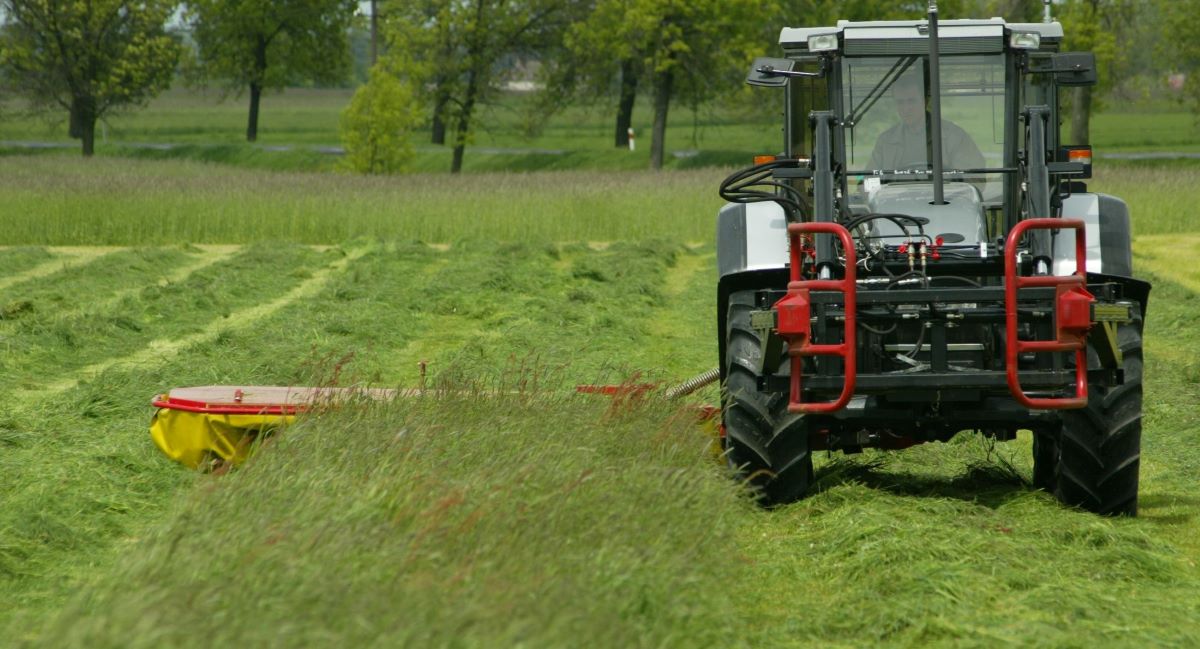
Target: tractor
{"type": "Point", "coordinates": [925, 258]}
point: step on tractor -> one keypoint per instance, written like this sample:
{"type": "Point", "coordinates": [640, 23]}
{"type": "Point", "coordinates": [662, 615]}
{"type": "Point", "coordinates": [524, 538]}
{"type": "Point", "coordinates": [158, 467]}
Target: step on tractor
{"type": "Point", "coordinates": [925, 258]}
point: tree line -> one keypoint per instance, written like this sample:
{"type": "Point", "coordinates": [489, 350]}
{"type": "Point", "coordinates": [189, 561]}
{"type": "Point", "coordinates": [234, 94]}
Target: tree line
{"type": "Point", "coordinates": [438, 62]}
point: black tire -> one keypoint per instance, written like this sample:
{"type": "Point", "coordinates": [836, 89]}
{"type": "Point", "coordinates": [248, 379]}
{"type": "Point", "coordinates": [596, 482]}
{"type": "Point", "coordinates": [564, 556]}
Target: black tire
{"type": "Point", "coordinates": [1045, 460]}
{"type": "Point", "coordinates": [765, 445]}
{"type": "Point", "coordinates": [1100, 447]}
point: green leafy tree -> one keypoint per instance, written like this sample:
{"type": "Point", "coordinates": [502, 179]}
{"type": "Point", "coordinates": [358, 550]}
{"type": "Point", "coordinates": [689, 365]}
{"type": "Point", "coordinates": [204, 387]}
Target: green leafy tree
{"type": "Point", "coordinates": [593, 65]}
{"type": "Point", "coordinates": [376, 127]}
{"type": "Point", "coordinates": [421, 44]}
{"type": "Point", "coordinates": [1010, 10]}
{"type": "Point", "coordinates": [268, 44]}
{"type": "Point", "coordinates": [89, 57]}
{"type": "Point", "coordinates": [466, 49]}
{"type": "Point", "coordinates": [695, 49]}
{"type": "Point", "coordinates": [1180, 44]}
{"type": "Point", "coordinates": [811, 13]}
{"type": "Point", "coordinates": [1096, 26]}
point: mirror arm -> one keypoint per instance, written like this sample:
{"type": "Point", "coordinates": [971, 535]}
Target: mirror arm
{"type": "Point", "coordinates": [771, 71]}
{"type": "Point", "coordinates": [1078, 68]}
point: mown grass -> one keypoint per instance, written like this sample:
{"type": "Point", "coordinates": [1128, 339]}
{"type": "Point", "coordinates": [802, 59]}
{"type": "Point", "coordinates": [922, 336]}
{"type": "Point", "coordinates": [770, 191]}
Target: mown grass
{"type": "Point", "coordinates": [540, 518]}
{"type": "Point", "coordinates": [78, 472]}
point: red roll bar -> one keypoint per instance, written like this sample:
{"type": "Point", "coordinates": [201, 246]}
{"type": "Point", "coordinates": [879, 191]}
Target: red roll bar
{"type": "Point", "coordinates": [1072, 314]}
{"type": "Point", "coordinates": [795, 312]}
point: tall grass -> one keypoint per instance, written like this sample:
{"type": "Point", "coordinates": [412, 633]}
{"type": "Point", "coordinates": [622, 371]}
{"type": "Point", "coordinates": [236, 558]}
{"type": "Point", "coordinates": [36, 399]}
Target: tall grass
{"type": "Point", "coordinates": [63, 201]}
{"type": "Point", "coordinates": [439, 522]}
{"type": "Point", "coordinates": [53, 200]}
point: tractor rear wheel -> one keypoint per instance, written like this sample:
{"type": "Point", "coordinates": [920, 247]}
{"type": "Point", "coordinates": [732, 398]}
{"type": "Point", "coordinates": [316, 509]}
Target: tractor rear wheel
{"type": "Point", "coordinates": [1100, 447]}
{"type": "Point", "coordinates": [1045, 460]}
{"type": "Point", "coordinates": [765, 445]}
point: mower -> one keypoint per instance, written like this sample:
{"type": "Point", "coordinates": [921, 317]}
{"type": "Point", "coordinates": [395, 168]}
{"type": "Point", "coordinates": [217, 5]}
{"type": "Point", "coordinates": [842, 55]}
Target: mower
{"type": "Point", "coordinates": [925, 258]}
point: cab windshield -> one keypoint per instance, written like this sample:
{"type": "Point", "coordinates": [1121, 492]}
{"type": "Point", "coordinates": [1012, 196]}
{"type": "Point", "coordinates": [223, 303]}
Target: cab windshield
{"type": "Point", "coordinates": [887, 120]}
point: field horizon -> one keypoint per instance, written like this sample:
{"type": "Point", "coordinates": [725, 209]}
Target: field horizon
{"type": "Point", "coordinates": [299, 126]}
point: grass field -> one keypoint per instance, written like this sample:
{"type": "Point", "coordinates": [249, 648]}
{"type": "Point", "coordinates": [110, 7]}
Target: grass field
{"type": "Point", "coordinates": [534, 519]}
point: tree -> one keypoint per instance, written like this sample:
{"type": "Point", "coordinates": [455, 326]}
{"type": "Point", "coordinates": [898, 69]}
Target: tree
{"type": "Point", "coordinates": [1094, 26]}
{"type": "Point", "coordinates": [89, 57]}
{"type": "Point", "coordinates": [592, 63]}
{"type": "Point", "coordinates": [377, 125]}
{"type": "Point", "coordinates": [697, 49]}
{"type": "Point", "coordinates": [465, 49]}
{"type": "Point", "coordinates": [263, 44]}
{"type": "Point", "coordinates": [1180, 43]}
{"type": "Point", "coordinates": [814, 13]}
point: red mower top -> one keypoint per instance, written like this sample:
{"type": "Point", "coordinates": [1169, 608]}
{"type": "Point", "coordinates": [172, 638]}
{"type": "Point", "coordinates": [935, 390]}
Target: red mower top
{"type": "Point", "coordinates": [262, 399]}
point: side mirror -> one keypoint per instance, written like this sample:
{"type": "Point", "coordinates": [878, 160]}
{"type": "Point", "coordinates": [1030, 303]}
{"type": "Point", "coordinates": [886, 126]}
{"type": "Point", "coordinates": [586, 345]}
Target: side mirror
{"type": "Point", "coordinates": [1073, 68]}
{"type": "Point", "coordinates": [770, 72]}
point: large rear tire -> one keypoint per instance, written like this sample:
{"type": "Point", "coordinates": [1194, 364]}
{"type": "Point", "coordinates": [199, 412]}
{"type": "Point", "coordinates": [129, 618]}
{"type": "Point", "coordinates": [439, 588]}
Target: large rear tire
{"type": "Point", "coordinates": [765, 445]}
{"type": "Point", "coordinates": [1099, 451]}
{"type": "Point", "coordinates": [1045, 460]}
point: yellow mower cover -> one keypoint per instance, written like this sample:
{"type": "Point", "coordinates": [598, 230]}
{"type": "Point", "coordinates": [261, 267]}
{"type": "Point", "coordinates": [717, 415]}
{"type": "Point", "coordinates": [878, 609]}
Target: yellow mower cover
{"type": "Point", "coordinates": [192, 438]}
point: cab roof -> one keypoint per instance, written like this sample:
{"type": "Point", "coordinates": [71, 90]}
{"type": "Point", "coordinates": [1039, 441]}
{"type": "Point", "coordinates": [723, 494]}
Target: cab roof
{"type": "Point", "coordinates": [897, 36]}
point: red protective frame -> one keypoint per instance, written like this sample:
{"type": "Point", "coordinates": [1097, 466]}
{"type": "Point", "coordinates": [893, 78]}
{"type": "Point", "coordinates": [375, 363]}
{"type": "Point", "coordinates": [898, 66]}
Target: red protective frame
{"type": "Point", "coordinates": [800, 342]}
{"type": "Point", "coordinates": [1067, 339]}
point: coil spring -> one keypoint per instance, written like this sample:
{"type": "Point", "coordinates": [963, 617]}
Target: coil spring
{"type": "Point", "coordinates": [695, 383]}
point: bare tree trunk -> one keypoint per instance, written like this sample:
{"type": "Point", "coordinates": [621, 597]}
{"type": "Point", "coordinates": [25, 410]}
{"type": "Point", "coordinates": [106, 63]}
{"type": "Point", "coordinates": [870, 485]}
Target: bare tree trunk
{"type": "Point", "coordinates": [463, 125]}
{"type": "Point", "coordinates": [74, 129]}
{"type": "Point", "coordinates": [87, 133]}
{"type": "Point", "coordinates": [83, 123]}
{"type": "Point", "coordinates": [1081, 116]}
{"type": "Point", "coordinates": [438, 135]}
{"type": "Point", "coordinates": [663, 83]}
{"type": "Point", "coordinates": [374, 31]}
{"type": "Point", "coordinates": [256, 87]}
{"type": "Point", "coordinates": [629, 82]}
{"type": "Point", "coordinates": [252, 124]}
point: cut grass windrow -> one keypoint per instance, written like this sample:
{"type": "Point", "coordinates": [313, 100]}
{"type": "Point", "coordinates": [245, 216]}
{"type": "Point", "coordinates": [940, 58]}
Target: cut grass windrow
{"type": "Point", "coordinates": [59, 339]}
{"type": "Point", "coordinates": [155, 351]}
{"type": "Point", "coordinates": [208, 255]}
{"type": "Point", "coordinates": [16, 263]}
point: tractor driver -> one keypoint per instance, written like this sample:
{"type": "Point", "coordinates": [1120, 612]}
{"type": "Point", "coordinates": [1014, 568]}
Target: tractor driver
{"type": "Point", "coordinates": [905, 145]}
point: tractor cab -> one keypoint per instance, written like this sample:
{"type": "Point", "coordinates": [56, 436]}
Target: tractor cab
{"type": "Point", "coordinates": [887, 109]}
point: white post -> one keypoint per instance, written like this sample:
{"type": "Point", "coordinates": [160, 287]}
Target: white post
{"type": "Point", "coordinates": [632, 146]}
